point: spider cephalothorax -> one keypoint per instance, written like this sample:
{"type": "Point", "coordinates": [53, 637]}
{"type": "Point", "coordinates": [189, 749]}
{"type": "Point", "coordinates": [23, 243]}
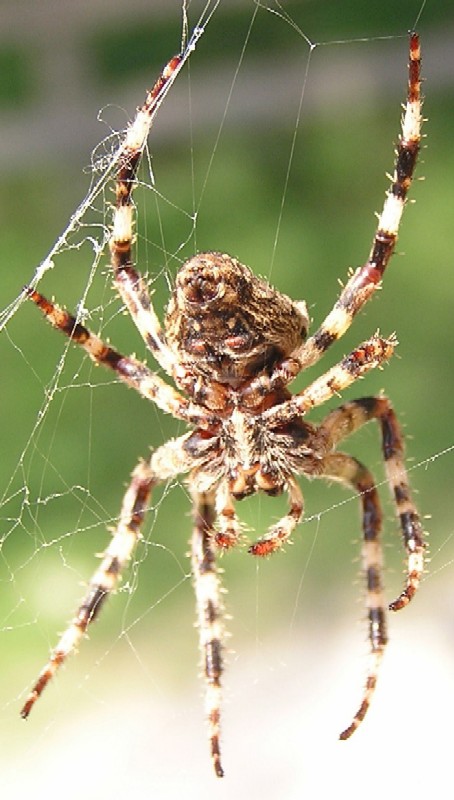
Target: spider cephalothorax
{"type": "Point", "coordinates": [232, 344]}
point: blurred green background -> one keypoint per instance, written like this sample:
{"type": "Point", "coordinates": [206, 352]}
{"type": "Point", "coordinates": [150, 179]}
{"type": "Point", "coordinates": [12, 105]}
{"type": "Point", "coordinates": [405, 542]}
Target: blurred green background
{"type": "Point", "coordinates": [291, 191]}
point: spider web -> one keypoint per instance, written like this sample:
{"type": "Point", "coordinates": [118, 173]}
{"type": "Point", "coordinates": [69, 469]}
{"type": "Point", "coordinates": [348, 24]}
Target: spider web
{"type": "Point", "coordinates": [271, 145]}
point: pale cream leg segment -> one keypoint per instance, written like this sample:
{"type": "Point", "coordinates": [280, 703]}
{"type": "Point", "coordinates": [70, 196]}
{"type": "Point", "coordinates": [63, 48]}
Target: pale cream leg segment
{"type": "Point", "coordinates": [209, 616]}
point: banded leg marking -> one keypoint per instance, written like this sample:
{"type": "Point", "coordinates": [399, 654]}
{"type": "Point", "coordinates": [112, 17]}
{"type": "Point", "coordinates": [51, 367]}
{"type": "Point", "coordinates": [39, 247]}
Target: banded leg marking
{"type": "Point", "coordinates": [131, 371]}
{"type": "Point", "coordinates": [367, 278]}
{"type": "Point", "coordinates": [131, 286]}
{"type": "Point", "coordinates": [104, 580]}
{"type": "Point", "coordinates": [209, 616]}
{"type": "Point", "coordinates": [348, 418]}
{"type": "Point", "coordinates": [348, 470]}
{"type": "Point", "coordinates": [369, 355]}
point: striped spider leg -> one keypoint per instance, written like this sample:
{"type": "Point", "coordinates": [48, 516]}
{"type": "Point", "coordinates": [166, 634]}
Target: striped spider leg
{"type": "Point", "coordinates": [338, 425]}
{"type": "Point", "coordinates": [209, 614]}
{"type": "Point", "coordinates": [366, 279]}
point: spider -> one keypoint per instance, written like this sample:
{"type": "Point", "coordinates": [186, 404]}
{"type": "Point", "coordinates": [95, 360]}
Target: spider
{"type": "Point", "coordinates": [232, 344]}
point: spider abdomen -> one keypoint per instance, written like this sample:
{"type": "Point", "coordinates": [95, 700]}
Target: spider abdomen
{"type": "Point", "coordinates": [227, 324]}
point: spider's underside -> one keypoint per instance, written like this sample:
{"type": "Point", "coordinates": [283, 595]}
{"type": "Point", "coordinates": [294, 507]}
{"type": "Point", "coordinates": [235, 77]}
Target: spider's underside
{"type": "Point", "coordinates": [232, 344]}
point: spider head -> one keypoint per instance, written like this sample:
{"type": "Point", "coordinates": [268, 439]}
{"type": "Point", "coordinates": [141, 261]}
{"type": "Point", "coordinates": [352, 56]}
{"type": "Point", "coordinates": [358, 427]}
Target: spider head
{"type": "Point", "coordinates": [225, 322]}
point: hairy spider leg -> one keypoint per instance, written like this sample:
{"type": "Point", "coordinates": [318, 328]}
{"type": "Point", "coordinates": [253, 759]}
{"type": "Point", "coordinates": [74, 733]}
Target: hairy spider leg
{"type": "Point", "coordinates": [132, 372]}
{"type": "Point", "coordinates": [367, 278]}
{"type": "Point", "coordinates": [368, 355]}
{"type": "Point", "coordinates": [128, 281]}
{"type": "Point", "coordinates": [348, 418]}
{"type": "Point", "coordinates": [344, 468]}
{"type": "Point", "coordinates": [168, 461]}
{"type": "Point", "coordinates": [209, 614]}
{"type": "Point", "coordinates": [104, 580]}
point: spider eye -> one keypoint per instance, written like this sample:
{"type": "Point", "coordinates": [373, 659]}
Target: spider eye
{"type": "Point", "coordinates": [201, 289]}
{"type": "Point", "coordinates": [199, 281]}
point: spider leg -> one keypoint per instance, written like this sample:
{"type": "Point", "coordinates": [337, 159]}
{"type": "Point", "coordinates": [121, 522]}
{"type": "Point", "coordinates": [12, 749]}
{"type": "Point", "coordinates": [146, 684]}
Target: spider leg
{"type": "Point", "coordinates": [280, 533]}
{"type": "Point", "coordinates": [131, 371]}
{"type": "Point", "coordinates": [209, 614]}
{"type": "Point", "coordinates": [129, 283]}
{"type": "Point", "coordinates": [341, 423]}
{"type": "Point", "coordinates": [367, 356]}
{"type": "Point", "coordinates": [366, 279]}
{"type": "Point", "coordinates": [105, 578]}
{"type": "Point", "coordinates": [346, 469]}
{"type": "Point", "coordinates": [166, 462]}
